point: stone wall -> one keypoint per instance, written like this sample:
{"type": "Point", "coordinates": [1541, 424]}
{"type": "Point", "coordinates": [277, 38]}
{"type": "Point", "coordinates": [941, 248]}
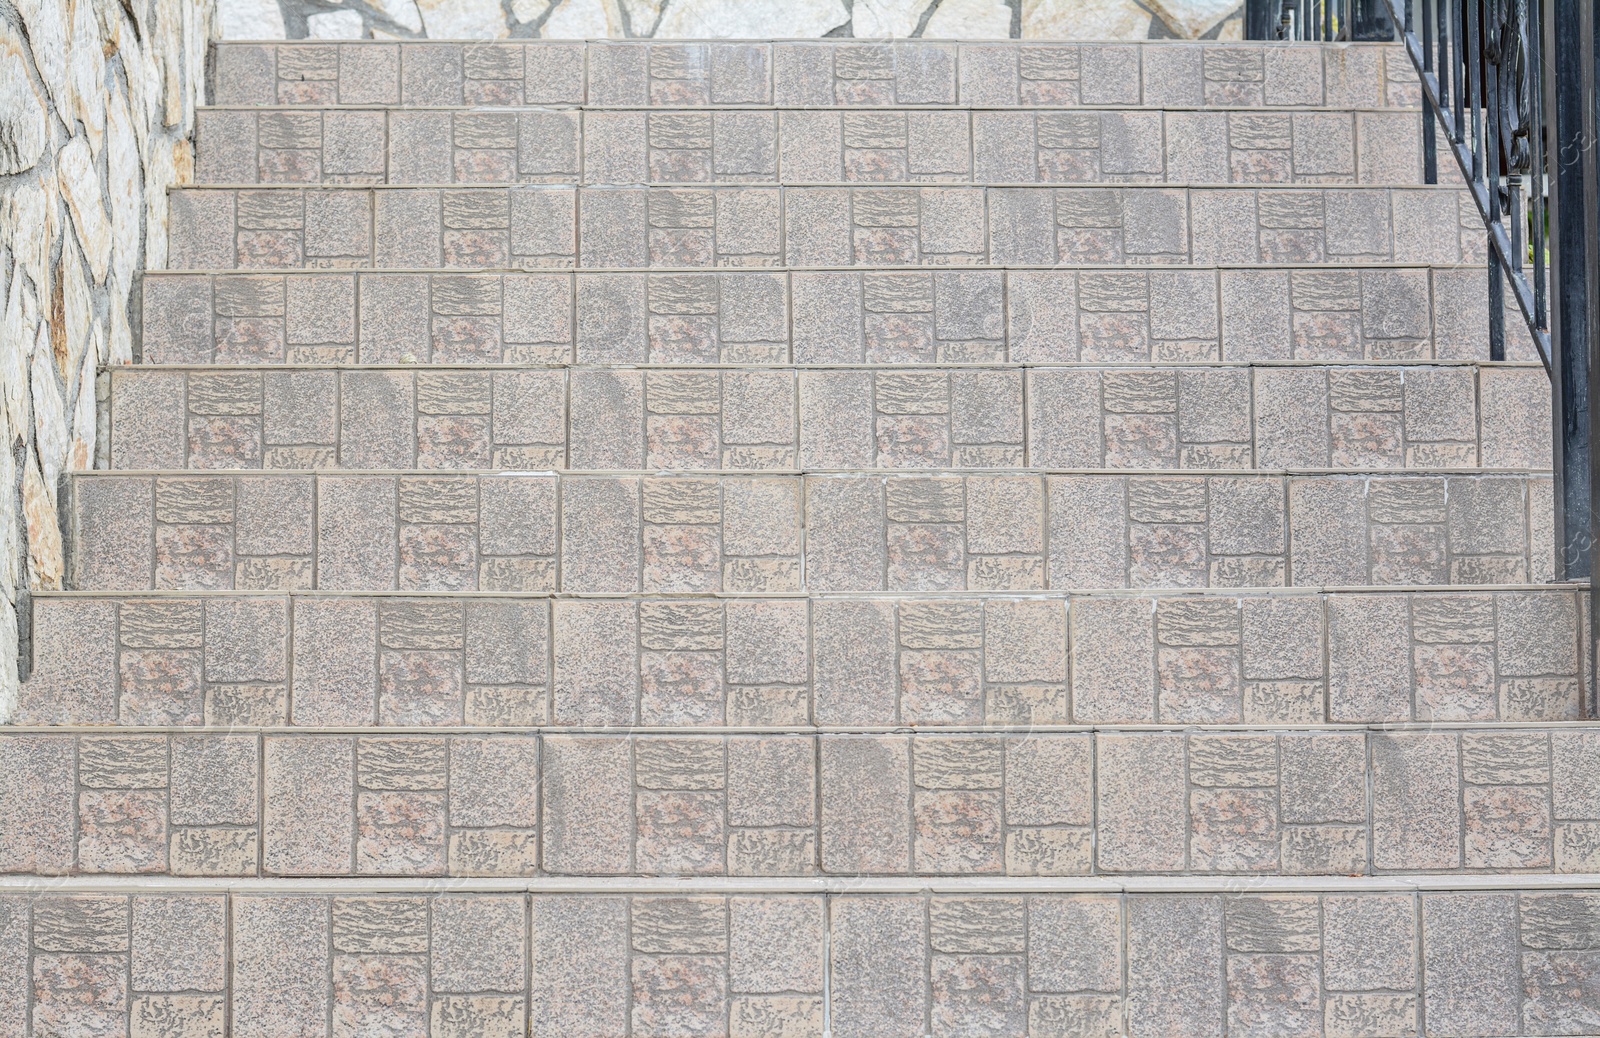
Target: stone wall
{"type": "Point", "coordinates": [756, 19]}
{"type": "Point", "coordinates": [97, 108]}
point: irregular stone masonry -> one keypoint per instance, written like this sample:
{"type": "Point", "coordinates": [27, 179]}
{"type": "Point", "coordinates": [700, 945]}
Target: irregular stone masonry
{"type": "Point", "coordinates": [801, 74]}
{"type": "Point", "coordinates": [813, 317]}
{"type": "Point", "coordinates": [97, 117]}
{"type": "Point", "coordinates": [1145, 629]}
{"type": "Point", "coordinates": [784, 533]}
{"type": "Point", "coordinates": [806, 146]}
{"type": "Point", "coordinates": [1057, 803]}
{"type": "Point", "coordinates": [476, 660]}
{"type": "Point", "coordinates": [779, 418]}
{"type": "Point", "coordinates": [484, 964]}
{"type": "Point", "coordinates": [537, 227]}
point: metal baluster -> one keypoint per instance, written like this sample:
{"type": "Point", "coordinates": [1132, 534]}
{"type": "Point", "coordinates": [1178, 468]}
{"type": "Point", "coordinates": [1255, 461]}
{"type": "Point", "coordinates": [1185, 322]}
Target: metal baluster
{"type": "Point", "coordinates": [1443, 65]}
{"type": "Point", "coordinates": [1430, 160]}
{"type": "Point", "coordinates": [1470, 54]}
{"type": "Point", "coordinates": [1537, 143]}
{"type": "Point", "coordinates": [1514, 211]}
{"type": "Point", "coordinates": [1508, 102]}
{"type": "Point", "coordinates": [1458, 68]}
{"type": "Point", "coordinates": [1473, 55]}
{"type": "Point", "coordinates": [1492, 143]}
{"type": "Point", "coordinates": [1491, 177]}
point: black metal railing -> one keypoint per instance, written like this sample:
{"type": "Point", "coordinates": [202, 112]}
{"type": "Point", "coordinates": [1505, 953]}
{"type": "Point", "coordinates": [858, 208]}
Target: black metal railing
{"type": "Point", "coordinates": [1318, 20]}
{"type": "Point", "coordinates": [1508, 88]}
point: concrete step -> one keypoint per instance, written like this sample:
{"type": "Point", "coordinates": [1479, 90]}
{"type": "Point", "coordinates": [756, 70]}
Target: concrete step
{"type": "Point", "coordinates": [1190, 416]}
{"type": "Point", "coordinates": [1371, 312]}
{"type": "Point", "coordinates": [491, 961]}
{"type": "Point", "coordinates": [752, 533]}
{"type": "Point", "coordinates": [1025, 661]}
{"type": "Point", "coordinates": [815, 72]}
{"type": "Point", "coordinates": [273, 227]}
{"type": "Point", "coordinates": [1057, 803]}
{"type": "Point", "coordinates": [808, 146]}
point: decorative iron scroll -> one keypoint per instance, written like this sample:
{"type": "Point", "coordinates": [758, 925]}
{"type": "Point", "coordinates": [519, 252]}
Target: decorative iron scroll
{"type": "Point", "coordinates": [1507, 50]}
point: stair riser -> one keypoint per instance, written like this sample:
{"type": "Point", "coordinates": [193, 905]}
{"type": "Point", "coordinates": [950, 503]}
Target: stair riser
{"type": "Point", "coordinates": [1041, 804]}
{"type": "Point", "coordinates": [1210, 418]}
{"type": "Point", "coordinates": [489, 965]}
{"type": "Point", "coordinates": [807, 147]}
{"type": "Point", "coordinates": [675, 75]}
{"type": "Point", "coordinates": [559, 227]}
{"type": "Point", "coordinates": [1255, 659]}
{"type": "Point", "coordinates": [822, 317]}
{"type": "Point", "coordinates": [862, 533]}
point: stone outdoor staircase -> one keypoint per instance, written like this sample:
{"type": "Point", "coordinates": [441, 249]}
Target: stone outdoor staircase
{"type": "Point", "coordinates": [784, 539]}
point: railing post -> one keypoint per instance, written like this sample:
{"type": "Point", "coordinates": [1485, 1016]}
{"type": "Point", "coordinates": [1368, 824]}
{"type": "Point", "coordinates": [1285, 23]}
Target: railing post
{"type": "Point", "coordinates": [1589, 78]}
{"type": "Point", "coordinates": [1570, 180]}
{"type": "Point", "coordinates": [1569, 45]}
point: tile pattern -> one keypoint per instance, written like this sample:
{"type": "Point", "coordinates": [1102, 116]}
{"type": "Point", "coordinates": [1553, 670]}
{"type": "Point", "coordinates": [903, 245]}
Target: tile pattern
{"type": "Point", "coordinates": [1252, 658]}
{"type": "Point", "coordinates": [267, 228]}
{"type": "Point", "coordinates": [813, 317]}
{"type": "Point", "coordinates": [794, 74]}
{"type": "Point", "coordinates": [1040, 804]}
{"type": "Point", "coordinates": [806, 146]}
{"type": "Point", "coordinates": [481, 713]}
{"type": "Point", "coordinates": [779, 418]}
{"type": "Point", "coordinates": [682, 533]}
{"type": "Point", "coordinates": [483, 964]}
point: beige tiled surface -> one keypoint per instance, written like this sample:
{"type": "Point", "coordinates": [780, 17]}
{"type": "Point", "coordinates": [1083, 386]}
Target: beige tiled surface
{"type": "Point", "coordinates": [1142, 629]}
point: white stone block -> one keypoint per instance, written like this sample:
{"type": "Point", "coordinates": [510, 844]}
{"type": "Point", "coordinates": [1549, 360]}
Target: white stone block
{"type": "Point", "coordinates": [250, 19]}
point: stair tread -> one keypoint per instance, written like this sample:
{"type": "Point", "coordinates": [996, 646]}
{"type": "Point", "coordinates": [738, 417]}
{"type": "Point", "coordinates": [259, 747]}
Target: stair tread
{"type": "Point", "coordinates": [931, 658]}
{"type": "Point", "coordinates": [785, 418]}
{"type": "Point", "coordinates": [1377, 314]}
{"type": "Point", "coordinates": [1021, 804]}
{"type": "Point", "coordinates": [545, 227]}
{"type": "Point", "coordinates": [973, 145]}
